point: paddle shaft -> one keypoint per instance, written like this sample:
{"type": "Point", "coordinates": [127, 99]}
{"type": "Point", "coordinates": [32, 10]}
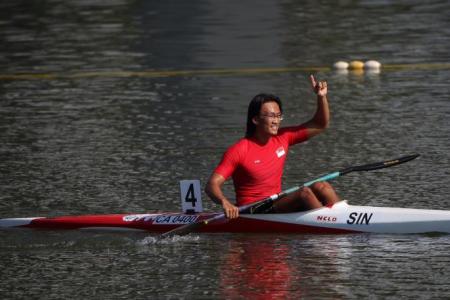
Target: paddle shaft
{"type": "Point", "coordinates": [185, 229]}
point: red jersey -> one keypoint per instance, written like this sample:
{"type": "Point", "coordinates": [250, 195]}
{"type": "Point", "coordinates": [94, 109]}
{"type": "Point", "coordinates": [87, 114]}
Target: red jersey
{"type": "Point", "coordinates": [257, 169]}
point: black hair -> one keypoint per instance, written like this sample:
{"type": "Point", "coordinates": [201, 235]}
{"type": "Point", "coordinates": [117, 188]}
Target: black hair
{"type": "Point", "coordinates": [254, 108]}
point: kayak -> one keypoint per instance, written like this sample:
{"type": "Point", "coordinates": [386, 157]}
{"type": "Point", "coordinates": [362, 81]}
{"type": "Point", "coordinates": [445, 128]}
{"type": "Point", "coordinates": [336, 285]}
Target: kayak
{"type": "Point", "coordinates": [337, 219]}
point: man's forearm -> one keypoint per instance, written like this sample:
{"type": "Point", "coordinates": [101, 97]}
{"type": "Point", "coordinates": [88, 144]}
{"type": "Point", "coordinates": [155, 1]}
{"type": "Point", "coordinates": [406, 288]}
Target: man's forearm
{"type": "Point", "coordinates": [215, 194]}
{"type": "Point", "coordinates": [322, 116]}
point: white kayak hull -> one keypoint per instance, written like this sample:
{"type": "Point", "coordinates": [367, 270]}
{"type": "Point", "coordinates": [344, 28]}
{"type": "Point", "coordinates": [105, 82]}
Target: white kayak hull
{"type": "Point", "coordinates": [368, 219]}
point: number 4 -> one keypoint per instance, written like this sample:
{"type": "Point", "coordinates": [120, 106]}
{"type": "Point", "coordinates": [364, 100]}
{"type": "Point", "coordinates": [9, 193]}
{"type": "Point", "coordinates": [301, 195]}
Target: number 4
{"type": "Point", "coordinates": [191, 196]}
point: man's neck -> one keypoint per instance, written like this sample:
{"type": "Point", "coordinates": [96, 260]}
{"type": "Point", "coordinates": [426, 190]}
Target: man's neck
{"type": "Point", "coordinates": [261, 138]}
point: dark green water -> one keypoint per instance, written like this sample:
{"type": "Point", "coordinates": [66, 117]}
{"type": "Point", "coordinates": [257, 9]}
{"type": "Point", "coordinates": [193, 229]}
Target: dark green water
{"type": "Point", "coordinates": [81, 133]}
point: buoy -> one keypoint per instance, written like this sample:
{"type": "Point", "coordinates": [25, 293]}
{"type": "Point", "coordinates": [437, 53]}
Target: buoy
{"type": "Point", "coordinates": [372, 65]}
{"type": "Point", "coordinates": [356, 65]}
{"type": "Point", "coordinates": [340, 65]}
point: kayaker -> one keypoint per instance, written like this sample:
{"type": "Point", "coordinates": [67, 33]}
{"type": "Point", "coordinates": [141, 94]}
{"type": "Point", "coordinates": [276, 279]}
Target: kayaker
{"type": "Point", "coordinates": [256, 162]}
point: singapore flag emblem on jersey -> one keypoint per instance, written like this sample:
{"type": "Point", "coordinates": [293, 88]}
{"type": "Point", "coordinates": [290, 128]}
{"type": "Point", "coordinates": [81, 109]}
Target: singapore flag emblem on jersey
{"type": "Point", "coordinates": [280, 152]}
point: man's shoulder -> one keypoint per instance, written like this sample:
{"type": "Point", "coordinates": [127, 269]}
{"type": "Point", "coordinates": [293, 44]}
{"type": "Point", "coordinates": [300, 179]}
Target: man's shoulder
{"type": "Point", "coordinates": [293, 134]}
{"type": "Point", "coordinates": [237, 151]}
{"type": "Point", "coordinates": [240, 145]}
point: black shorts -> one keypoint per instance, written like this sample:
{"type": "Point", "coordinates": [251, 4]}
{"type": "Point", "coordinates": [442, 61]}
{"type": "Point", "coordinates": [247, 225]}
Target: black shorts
{"type": "Point", "coordinates": [263, 208]}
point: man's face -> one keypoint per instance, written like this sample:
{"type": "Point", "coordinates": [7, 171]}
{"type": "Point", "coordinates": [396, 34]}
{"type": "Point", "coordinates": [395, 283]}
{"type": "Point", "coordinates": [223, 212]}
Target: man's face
{"type": "Point", "coordinates": [269, 118]}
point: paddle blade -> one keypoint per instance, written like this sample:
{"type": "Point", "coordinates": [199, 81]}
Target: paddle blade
{"type": "Point", "coordinates": [380, 165]}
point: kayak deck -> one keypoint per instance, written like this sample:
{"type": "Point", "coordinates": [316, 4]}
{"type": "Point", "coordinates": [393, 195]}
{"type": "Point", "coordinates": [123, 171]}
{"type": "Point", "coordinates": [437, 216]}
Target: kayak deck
{"type": "Point", "coordinates": [341, 218]}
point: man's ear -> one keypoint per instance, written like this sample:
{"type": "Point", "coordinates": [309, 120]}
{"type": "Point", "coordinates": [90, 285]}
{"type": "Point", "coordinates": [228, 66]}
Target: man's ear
{"type": "Point", "coordinates": [255, 120]}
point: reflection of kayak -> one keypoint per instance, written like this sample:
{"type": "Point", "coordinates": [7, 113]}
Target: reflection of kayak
{"type": "Point", "coordinates": [341, 218]}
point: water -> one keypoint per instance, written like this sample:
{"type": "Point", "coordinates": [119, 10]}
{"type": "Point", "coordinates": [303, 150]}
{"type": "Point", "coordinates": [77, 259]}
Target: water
{"type": "Point", "coordinates": [91, 127]}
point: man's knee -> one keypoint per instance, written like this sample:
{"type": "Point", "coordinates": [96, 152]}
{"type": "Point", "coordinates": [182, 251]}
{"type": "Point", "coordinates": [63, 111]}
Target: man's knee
{"type": "Point", "coordinates": [321, 186]}
{"type": "Point", "coordinates": [305, 193]}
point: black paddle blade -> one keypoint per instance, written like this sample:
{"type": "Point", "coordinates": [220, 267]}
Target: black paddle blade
{"type": "Point", "coordinates": [380, 165]}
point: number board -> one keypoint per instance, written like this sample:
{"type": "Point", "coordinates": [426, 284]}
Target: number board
{"type": "Point", "coordinates": [191, 196]}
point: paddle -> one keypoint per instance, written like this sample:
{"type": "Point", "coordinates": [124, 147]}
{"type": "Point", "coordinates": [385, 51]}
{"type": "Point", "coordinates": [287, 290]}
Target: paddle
{"type": "Point", "coordinates": [185, 229]}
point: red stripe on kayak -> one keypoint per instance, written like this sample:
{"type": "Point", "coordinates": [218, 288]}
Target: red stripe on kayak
{"type": "Point", "coordinates": [244, 225]}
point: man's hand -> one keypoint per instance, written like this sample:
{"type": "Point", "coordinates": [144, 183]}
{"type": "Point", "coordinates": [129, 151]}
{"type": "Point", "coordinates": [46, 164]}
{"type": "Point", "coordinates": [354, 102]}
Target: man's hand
{"type": "Point", "coordinates": [230, 210]}
{"type": "Point", "coordinates": [320, 88]}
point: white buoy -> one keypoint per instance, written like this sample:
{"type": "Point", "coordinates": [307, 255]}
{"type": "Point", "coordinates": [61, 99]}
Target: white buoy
{"type": "Point", "coordinates": [340, 65]}
{"type": "Point", "coordinates": [372, 65]}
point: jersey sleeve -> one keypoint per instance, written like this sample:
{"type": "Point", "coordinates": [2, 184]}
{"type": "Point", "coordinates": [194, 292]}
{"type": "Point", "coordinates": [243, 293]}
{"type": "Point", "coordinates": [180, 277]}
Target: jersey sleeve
{"type": "Point", "coordinates": [295, 134]}
{"type": "Point", "coordinates": [229, 162]}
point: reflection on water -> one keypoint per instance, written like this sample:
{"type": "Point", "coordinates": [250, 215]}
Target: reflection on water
{"type": "Point", "coordinates": [252, 269]}
{"type": "Point", "coordinates": [88, 143]}
{"type": "Point", "coordinates": [223, 266]}
{"type": "Point", "coordinates": [280, 268]}
{"type": "Point", "coordinates": [327, 267]}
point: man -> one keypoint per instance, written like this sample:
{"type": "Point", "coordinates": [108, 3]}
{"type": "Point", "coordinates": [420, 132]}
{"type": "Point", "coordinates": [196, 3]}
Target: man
{"type": "Point", "coordinates": [256, 161]}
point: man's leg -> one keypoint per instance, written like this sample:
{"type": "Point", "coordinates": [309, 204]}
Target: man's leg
{"type": "Point", "coordinates": [325, 193]}
{"type": "Point", "coordinates": [302, 200]}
